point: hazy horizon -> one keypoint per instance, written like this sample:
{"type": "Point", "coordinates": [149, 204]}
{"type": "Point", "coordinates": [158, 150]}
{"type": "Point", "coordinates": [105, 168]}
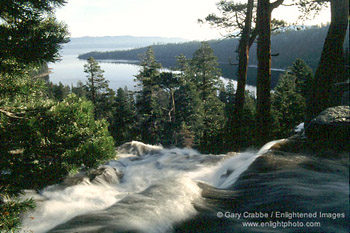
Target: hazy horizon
{"type": "Point", "coordinates": [154, 18]}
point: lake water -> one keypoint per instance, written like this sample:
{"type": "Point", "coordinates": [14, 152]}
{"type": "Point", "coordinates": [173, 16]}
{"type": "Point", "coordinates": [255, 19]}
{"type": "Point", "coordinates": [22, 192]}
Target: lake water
{"type": "Point", "coordinates": [70, 70]}
{"type": "Point", "coordinates": [121, 73]}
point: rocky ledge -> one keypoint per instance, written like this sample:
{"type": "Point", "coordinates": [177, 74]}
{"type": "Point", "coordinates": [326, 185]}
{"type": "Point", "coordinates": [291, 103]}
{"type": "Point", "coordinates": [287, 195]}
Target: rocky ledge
{"type": "Point", "coordinates": [328, 132]}
{"type": "Point", "coordinates": [330, 129]}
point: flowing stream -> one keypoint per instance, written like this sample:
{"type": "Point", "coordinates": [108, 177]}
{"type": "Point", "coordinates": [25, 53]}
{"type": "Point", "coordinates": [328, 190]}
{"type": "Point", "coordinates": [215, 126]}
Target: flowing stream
{"type": "Point", "coordinates": [148, 189]}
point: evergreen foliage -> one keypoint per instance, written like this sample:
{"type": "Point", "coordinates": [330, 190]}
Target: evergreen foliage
{"type": "Point", "coordinates": [79, 89]}
{"type": "Point", "coordinates": [44, 132]}
{"type": "Point", "coordinates": [189, 107]}
{"type": "Point", "coordinates": [189, 115]}
{"type": "Point", "coordinates": [29, 33]}
{"type": "Point", "coordinates": [238, 137]}
{"type": "Point", "coordinates": [10, 212]}
{"type": "Point", "coordinates": [123, 125]}
{"type": "Point", "coordinates": [289, 98]}
{"type": "Point", "coordinates": [206, 77]}
{"type": "Point", "coordinates": [42, 140]}
{"type": "Point", "coordinates": [181, 108]}
{"type": "Point", "coordinates": [58, 92]}
{"type": "Point", "coordinates": [204, 71]}
{"type": "Point", "coordinates": [198, 98]}
{"type": "Point", "coordinates": [96, 82]}
{"type": "Point", "coordinates": [303, 77]}
{"type": "Point", "coordinates": [149, 102]}
{"type": "Point", "coordinates": [288, 106]}
{"type": "Point", "coordinates": [98, 91]}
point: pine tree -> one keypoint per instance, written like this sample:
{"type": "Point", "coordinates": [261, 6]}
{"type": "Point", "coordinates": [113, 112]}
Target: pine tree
{"type": "Point", "coordinates": [96, 83]}
{"type": "Point", "coordinates": [29, 33]}
{"type": "Point", "coordinates": [30, 36]}
{"type": "Point", "coordinates": [263, 108]}
{"type": "Point", "coordinates": [288, 106]}
{"type": "Point", "coordinates": [239, 19]}
{"type": "Point", "coordinates": [123, 125]}
{"type": "Point", "coordinates": [98, 90]}
{"type": "Point", "coordinates": [149, 101]}
{"type": "Point", "coordinates": [229, 99]}
{"type": "Point", "coordinates": [331, 68]}
{"type": "Point", "coordinates": [79, 89]}
{"type": "Point", "coordinates": [42, 140]}
{"type": "Point", "coordinates": [303, 77]}
{"type": "Point", "coordinates": [58, 92]}
{"type": "Point", "coordinates": [204, 73]}
{"type": "Point", "coordinates": [290, 97]}
{"type": "Point", "coordinates": [189, 115]}
{"type": "Point", "coordinates": [169, 82]}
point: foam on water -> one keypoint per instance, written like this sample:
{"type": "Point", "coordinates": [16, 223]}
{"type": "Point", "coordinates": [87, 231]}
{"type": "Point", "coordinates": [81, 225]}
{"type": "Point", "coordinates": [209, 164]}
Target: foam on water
{"type": "Point", "coordinates": [60, 205]}
{"type": "Point", "coordinates": [157, 190]}
{"type": "Point", "coordinates": [227, 172]}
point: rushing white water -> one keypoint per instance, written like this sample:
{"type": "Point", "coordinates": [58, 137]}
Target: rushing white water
{"type": "Point", "coordinates": [158, 189]}
{"type": "Point", "coordinates": [61, 205]}
{"type": "Point", "coordinates": [226, 173]}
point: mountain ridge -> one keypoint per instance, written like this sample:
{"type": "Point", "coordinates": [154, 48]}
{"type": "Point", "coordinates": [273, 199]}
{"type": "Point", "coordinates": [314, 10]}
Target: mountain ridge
{"type": "Point", "coordinates": [125, 41]}
{"type": "Point", "coordinates": [305, 44]}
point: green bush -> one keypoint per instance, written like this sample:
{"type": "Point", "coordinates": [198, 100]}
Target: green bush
{"type": "Point", "coordinates": [51, 139]}
{"type": "Point", "coordinates": [10, 212]}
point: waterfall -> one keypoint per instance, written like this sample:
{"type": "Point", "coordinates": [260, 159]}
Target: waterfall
{"type": "Point", "coordinates": [157, 189]}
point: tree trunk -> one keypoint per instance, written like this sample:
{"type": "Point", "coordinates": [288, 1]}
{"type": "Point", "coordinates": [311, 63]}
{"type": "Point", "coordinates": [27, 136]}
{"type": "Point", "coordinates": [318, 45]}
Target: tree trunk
{"type": "Point", "coordinates": [244, 47]}
{"type": "Point", "coordinates": [263, 107]}
{"type": "Point", "coordinates": [93, 92]}
{"type": "Point", "coordinates": [332, 65]}
{"type": "Point", "coordinates": [263, 115]}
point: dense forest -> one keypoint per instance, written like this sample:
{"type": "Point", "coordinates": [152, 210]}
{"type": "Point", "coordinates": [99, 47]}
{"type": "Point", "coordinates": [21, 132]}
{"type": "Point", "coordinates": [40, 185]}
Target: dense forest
{"type": "Point", "coordinates": [49, 131]}
{"type": "Point", "coordinates": [191, 107]}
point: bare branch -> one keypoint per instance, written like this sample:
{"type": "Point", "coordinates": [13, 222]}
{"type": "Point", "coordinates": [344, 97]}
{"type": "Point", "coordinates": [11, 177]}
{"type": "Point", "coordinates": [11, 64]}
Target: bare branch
{"type": "Point", "coordinates": [237, 20]}
{"type": "Point", "coordinates": [275, 4]}
{"type": "Point", "coordinates": [10, 114]}
{"type": "Point", "coordinates": [292, 4]}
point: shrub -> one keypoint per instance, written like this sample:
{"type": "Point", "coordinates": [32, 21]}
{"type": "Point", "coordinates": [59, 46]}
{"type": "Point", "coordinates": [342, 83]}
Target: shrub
{"type": "Point", "coordinates": [51, 139]}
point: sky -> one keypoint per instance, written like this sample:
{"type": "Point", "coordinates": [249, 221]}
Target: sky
{"type": "Point", "coordinates": [165, 18]}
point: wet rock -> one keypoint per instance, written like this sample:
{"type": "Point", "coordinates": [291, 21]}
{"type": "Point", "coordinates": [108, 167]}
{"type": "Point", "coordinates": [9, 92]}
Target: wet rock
{"type": "Point", "coordinates": [105, 174]}
{"type": "Point", "coordinates": [101, 175]}
{"type": "Point", "coordinates": [330, 129]}
{"type": "Point", "coordinates": [79, 178]}
{"type": "Point", "coordinates": [295, 144]}
{"type": "Point", "coordinates": [227, 174]}
{"type": "Point", "coordinates": [232, 154]}
{"type": "Point", "coordinates": [138, 148]}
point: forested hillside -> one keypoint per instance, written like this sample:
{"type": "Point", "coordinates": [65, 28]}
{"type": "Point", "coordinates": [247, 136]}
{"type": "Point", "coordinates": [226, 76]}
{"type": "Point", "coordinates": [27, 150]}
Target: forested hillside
{"type": "Point", "coordinates": [118, 42]}
{"type": "Point", "coordinates": [305, 44]}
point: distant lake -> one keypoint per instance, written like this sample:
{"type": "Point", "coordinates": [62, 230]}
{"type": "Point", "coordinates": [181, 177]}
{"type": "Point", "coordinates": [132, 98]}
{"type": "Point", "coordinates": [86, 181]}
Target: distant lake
{"type": "Point", "coordinates": [122, 73]}
{"type": "Point", "coordinates": [70, 70]}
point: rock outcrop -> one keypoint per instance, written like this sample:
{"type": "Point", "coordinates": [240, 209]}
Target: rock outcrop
{"type": "Point", "coordinates": [328, 133]}
{"type": "Point", "coordinates": [330, 129]}
{"type": "Point", "coordinates": [138, 148]}
{"type": "Point", "coordinates": [100, 175]}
